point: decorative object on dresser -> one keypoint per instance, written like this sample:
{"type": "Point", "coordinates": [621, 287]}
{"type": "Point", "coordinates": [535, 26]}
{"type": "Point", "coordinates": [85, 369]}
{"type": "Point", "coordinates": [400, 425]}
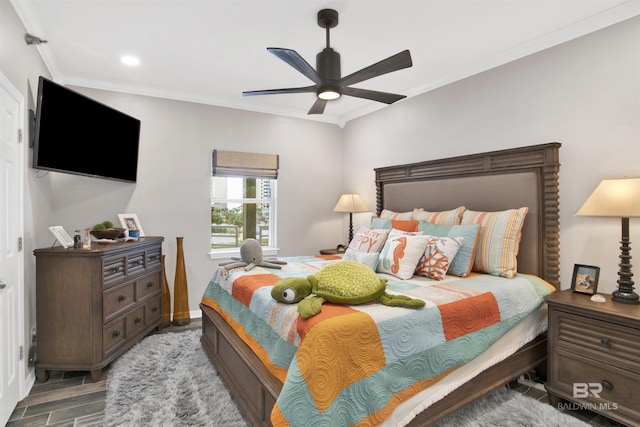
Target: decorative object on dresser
{"type": "Point", "coordinates": [618, 198]}
{"type": "Point", "coordinates": [594, 356]}
{"type": "Point", "coordinates": [181, 314]}
{"type": "Point", "coordinates": [166, 296]}
{"type": "Point", "coordinates": [130, 221]}
{"type": "Point", "coordinates": [350, 203]}
{"type": "Point", "coordinates": [92, 305]}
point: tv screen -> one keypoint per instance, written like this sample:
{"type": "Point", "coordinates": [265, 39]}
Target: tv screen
{"type": "Point", "coordinates": [75, 134]}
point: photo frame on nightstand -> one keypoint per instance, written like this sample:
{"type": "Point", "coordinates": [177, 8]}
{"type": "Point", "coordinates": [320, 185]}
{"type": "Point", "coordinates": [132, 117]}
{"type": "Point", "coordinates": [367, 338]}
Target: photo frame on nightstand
{"type": "Point", "coordinates": [585, 279]}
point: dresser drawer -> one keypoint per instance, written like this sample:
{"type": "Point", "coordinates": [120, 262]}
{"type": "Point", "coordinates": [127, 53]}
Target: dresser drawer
{"type": "Point", "coordinates": [604, 341]}
{"type": "Point", "coordinates": [135, 321]}
{"type": "Point", "coordinates": [116, 300]}
{"type": "Point", "coordinates": [147, 285]}
{"type": "Point", "coordinates": [619, 388]}
{"type": "Point", "coordinates": [154, 258]}
{"type": "Point", "coordinates": [113, 334]}
{"type": "Point", "coordinates": [113, 270]}
{"type": "Point", "coordinates": [135, 263]}
{"type": "Point", "coordinates": [153, 311]}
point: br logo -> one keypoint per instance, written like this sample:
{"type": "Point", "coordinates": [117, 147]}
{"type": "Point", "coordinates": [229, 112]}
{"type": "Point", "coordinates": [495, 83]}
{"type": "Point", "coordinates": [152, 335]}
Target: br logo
{"type": "Point", "coordinates": [582, 390]}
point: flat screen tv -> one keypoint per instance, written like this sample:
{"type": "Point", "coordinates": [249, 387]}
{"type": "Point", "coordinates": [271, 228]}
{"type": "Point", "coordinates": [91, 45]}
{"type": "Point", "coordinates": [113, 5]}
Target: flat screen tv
{"type": "Point", "coordinates": [75, 134]}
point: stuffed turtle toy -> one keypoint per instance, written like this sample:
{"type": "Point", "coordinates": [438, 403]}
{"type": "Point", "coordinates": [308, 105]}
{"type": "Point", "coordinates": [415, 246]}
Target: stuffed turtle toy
{"type": "Point", "coordinates": [251, 255]}
{"type": "Point", "coordinates": [344, 282]}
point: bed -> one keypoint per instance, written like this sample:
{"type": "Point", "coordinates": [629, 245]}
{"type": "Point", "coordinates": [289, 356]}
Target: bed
{"type": "Point", "coordinates": [485, 182]}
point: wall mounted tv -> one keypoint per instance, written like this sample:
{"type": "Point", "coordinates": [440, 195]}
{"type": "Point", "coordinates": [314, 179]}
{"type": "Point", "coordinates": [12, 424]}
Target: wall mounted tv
{"type": "Point", "coordinates": [75, 134]}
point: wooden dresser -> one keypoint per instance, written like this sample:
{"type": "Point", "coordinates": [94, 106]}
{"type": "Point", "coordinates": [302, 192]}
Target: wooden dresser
{"type": "Point", "coordinates": [594, 356]}
{"type": "Point", "coordinates": [92, 305]}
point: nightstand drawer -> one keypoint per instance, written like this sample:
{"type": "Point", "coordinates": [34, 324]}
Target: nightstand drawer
{"type": "Point", "coordinates": [604, 341]}
{"type": "Point", "coordinates": [619, 387]}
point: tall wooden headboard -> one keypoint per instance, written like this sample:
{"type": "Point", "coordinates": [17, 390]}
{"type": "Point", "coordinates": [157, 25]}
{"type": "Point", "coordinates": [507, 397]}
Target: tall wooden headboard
{"type": "Point", "coordinates": [491, 181]}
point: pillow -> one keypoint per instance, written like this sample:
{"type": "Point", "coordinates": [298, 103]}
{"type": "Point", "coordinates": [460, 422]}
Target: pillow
{"type": "Point", "coordinates": [387, 214]}
{"type": "Point", "coordinates": [370, 259]}
{"type": "Point", "coordinates": [397, 224]}
{"type": "Point", "coordinates": [365, 246]}
{"type": "Point", "coordinates": [401, 254]}
{"type": "Point", "coordinates": [437, 257]}
{"type": "Point", "coordinates": [499, 240]}
{"type": "Point", "coordinates": [452, 217]}
{"type": "Point", "coordinates": [369, 239]}
{"type": "Point", "coordinates": [463, 261]}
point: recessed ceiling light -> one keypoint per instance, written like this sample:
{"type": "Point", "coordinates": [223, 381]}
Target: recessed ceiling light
{"type": "Point", "coordinates": [129, 60]}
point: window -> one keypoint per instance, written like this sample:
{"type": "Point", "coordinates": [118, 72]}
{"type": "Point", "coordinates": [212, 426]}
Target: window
{"type": "Point", "coordinates": [243, 190]}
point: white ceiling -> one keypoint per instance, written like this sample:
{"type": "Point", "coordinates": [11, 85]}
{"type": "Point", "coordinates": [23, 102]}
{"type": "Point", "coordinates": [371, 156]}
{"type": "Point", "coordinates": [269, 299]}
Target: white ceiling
{"type": "Point", "coordinates": [209, 51]}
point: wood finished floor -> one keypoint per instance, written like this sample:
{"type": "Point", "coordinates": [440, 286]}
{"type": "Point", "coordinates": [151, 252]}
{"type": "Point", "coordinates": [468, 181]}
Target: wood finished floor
{"type": "Point", "coordinates": [70, 399]}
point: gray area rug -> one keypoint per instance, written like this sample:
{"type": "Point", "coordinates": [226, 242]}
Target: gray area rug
{"type": "Point", "coordinates": [167, 380]}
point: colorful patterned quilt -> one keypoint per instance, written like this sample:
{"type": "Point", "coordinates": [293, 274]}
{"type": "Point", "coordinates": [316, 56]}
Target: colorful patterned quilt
{"type": "Point", "coordinates": [352, 365]}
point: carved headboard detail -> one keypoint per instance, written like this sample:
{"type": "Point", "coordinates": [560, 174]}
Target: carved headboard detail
{"type": "Point", "coordinates": [491, 181]}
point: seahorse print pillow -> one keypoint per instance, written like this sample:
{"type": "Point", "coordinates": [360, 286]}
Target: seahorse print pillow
{"type": "Point", "coordinates": [401, 253]}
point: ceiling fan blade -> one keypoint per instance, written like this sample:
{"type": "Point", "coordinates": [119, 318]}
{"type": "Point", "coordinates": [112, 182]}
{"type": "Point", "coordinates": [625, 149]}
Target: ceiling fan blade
{"type": "Point", "coordinates": [294, 59]}
{"type": "Point", "coordinates": [318, 106]}
{"type": "Point", "coordinates": [387, 98]}
{"type": "Point", "coordinates": [305, 89]}
{"type": "Point", "coordinates": [393, 63]}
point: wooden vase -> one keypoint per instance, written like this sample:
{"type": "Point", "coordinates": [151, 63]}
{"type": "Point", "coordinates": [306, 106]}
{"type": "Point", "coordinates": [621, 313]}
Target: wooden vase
{"type": "Point", "coordinates": [166, 297]}
{"type": "Point", "coordinates": [180, 290]}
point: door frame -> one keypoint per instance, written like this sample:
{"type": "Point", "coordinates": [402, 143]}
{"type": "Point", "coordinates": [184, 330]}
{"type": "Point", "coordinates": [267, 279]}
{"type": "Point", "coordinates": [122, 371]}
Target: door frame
{"type": "Point", "coordinates": [6, 85]}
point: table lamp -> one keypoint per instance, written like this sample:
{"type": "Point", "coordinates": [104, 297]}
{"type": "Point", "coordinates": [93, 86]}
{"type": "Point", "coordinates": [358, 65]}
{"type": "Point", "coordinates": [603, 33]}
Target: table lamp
{"type": "Point", "coordinates": [350, 203]}
{"type": "Point", "coordinates": [618, 198]}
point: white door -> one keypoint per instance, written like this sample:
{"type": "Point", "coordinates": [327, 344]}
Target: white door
{"type": "Point", "coordinates": [11, 256]}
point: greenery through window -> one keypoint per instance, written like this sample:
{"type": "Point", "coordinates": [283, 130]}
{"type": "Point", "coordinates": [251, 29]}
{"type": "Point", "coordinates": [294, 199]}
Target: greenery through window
{"type": "Point", "coordinates": [242, 208]}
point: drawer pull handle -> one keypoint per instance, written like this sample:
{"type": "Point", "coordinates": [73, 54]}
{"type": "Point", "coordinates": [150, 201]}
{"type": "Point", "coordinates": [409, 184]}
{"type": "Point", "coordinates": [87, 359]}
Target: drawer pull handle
{"type": "Point", "coordinates": [150, 285]}
{"type": "Point", "coordinates": [137, 320]}
{"type": "Point", "coordinates": [605, 342]}
{"type": "Point", "coordinates": [154, 309]}
{"type": "Point", "coordinates": [122, 298]}
{"type": "Point", "coordinates": [116, 269]}
{"type": "Point", "coordinates": [115, 334]}
{"type": "Point", "coordinates": [607, 385]}
{"type": "Point", "coordinates": [139, 262]}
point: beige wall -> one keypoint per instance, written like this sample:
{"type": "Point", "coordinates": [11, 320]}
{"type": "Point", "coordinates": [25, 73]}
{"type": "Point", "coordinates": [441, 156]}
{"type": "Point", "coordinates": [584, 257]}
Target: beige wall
{"type": "Point", "coordinates": [584, 94]}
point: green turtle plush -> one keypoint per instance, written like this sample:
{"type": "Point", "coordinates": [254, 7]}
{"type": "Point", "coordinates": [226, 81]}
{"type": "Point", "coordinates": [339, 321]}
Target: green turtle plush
{"type": "Point", "coordinates": [344, 282]}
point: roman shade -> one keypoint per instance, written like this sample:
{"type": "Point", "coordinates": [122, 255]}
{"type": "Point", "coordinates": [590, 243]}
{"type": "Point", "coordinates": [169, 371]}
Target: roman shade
{"type": "Point", "coordinates": [248, 165]}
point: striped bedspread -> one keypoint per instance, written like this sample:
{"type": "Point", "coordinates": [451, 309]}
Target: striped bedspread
{"type": "Point", "coordinates": [352, 365]}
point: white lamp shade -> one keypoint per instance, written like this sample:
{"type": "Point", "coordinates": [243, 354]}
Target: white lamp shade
{"type": "Point", "coordinates": [350, 203]}
{"type": "Point", "coordinates": [615, 198]}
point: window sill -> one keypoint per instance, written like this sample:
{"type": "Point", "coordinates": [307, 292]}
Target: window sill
{"type": "Point", "coordinates": [235, 252]}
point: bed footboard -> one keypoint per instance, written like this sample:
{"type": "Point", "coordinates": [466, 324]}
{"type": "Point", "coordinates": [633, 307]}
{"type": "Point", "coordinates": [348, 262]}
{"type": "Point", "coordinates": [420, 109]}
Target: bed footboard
{"type": "Point", "coordinates": [253, 387]}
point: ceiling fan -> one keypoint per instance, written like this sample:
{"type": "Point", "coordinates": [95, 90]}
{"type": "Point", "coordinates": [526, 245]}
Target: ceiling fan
{"type": "Point", "coordinates": [329, 84]}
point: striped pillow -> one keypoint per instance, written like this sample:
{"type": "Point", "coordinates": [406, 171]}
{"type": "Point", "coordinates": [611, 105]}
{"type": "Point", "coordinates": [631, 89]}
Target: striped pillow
{"type": "Point", "coordinates": [452, 217]}
{"type": "Point", "coordinates": [499, 240]}
{"type": "Point", "coordinates": [387, 214]}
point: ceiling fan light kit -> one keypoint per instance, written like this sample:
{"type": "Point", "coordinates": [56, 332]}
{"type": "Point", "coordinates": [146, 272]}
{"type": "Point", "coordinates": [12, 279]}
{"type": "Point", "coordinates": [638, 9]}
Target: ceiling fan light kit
{"type": "Point", "coordinates": [329, 83]}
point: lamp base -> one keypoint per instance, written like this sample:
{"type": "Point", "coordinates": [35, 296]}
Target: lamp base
{"type": "Point", "coordinates": [625, 297]}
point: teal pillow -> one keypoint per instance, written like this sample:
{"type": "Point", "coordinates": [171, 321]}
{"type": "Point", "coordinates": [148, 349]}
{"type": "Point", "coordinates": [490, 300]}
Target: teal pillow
{"type": "Point", "coordinates": [463, 261]}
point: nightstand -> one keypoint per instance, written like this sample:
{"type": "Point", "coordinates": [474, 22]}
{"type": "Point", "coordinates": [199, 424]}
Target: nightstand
{"type": "Point", "coordinates": [333, 251]}
{"type": "Point", "coordinates": [594, 355]}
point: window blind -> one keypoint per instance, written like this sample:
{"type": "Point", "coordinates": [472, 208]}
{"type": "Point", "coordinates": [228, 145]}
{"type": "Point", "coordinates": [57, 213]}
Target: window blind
{"type": "Point", "coordinates": [238, 163]}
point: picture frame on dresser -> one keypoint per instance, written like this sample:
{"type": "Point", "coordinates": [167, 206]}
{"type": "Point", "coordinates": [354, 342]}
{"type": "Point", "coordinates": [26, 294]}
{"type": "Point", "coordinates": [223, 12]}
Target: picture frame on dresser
{"type": "Point", "coordinates": [585, 279]}
{"type": "Point", "coordinates": [130, 221]}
